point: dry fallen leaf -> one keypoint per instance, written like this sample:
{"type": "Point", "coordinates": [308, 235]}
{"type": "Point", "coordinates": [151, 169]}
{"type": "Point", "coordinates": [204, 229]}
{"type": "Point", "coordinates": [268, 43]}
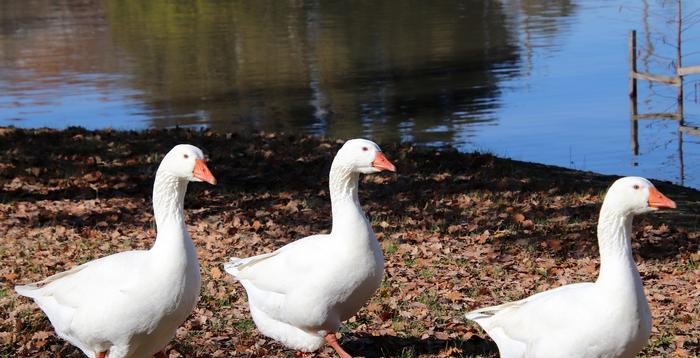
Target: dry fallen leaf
{"type": "Point", "coordinates": [215, 272]}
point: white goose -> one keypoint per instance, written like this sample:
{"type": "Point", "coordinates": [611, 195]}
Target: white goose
{"type": "Point", "coordinates": [128, 305]}
{"type": "Point", "coordinates": [606, 319]}
{"type": "Point", "coordinates": [299, 294]}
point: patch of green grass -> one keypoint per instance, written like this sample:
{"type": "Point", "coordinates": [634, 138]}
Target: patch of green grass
{"type": "Point", "coordinates": [692, 265]}
{"type": "Point", "coordinates": [244, 325]}
{"type": "Point", "coordinates": [541, 221]}
{"type": "Point", "coordinates": [391, 248]}
{"type": "Point", "coordinates": [430, 299]}
{"type": "Point", "coordinates": [463, 262]}
{"type": "Point", "coordinates": [411, 327]}
{"type": "Point", "coordinates": [498, 271]}
{"type": "Point", "coordinates": [223, 301]}
{"type": "Point", "coordinates": [348, 326]}
{"type": "Point", "coordinates": [426, 273]}
{"type": "Point", "coordinates": [408, 352]}
{"type": "Point", "coordinates": [663, 341]}
{"type": "Point", "coordinates": [575, 220]}
{"type": "Point", "coordinates": [472, 292]}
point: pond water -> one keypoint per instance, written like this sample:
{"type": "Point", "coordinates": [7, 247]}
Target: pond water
{"type": "Point", "coordinates": [534, 80]}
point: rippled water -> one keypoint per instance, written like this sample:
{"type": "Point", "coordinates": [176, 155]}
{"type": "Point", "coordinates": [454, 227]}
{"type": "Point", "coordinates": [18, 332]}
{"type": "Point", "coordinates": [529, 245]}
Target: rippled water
{"type": "Point", "coordinates": [540, 80]}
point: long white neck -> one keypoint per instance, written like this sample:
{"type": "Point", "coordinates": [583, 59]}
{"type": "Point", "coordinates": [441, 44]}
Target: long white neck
{"type": "Point", "coordinates": [346, 209]}
{"type": "Point", "coordinates": [168, 209]}
{"type": "Point", "coordinates": [617, 267]}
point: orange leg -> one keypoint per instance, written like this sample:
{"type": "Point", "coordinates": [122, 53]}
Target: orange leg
{"type": "Point", "coordinates": [101, 354]}
{"type": "Point", "coordinates": [160, 354]}
{"type": "Point", "coordinates": [330, 338]}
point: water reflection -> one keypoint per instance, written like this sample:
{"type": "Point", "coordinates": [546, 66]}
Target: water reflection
{"type": "Point", "coordinates": [396, 70]}
{"type": "Point", "coordinates": [493, 75]}
{"type": "Point", "coordinates": [393, 69]}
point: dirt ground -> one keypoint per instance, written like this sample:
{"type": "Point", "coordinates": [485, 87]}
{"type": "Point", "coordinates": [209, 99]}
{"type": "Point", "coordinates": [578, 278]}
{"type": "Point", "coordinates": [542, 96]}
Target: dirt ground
{"type": "Point", "coordinates": [459, 231]}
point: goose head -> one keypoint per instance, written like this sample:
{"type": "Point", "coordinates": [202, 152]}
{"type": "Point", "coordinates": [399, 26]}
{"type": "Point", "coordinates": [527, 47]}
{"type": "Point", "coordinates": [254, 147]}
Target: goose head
{"type": "Point", "coordinates": [635, 195]}
{"type": "Point", "coordinates": [187, 162]}
{"type": "Point", "coordinates": [363, 156]}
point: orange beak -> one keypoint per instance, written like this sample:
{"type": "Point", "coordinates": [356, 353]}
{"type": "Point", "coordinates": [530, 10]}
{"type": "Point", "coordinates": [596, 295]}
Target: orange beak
{"type": "Point", "coordinates": [658, 200]}
{"type": "Point", "coordinates": [380, 162]}
{"type": "Point", "coordinates": [202, 173]}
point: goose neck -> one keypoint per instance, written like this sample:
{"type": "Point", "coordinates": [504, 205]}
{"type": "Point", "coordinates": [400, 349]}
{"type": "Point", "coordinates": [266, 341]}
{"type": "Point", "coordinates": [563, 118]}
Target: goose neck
{"type": "Point", "coordinates": [343, 183]}
{"type": "Point", "coordinates": [168, 201]}
{"type": "Point", "coordinates": [345, 204]}
{"type": "Point", "coordinates": [616, 260]}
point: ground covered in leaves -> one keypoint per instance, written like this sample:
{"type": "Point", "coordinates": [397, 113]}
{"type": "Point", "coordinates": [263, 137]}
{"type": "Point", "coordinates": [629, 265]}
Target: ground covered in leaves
{"type": "Point", "coordinates": [459, 231]}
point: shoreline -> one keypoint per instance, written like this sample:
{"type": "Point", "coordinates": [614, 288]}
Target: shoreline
{"type": "Point", "coordinates": [202, 130]}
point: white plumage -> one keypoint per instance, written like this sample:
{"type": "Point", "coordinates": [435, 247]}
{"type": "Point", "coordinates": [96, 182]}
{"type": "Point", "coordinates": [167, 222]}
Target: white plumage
{"type": "Point", "coordinates": [606, 319]}
{"type": "Point", "coordinates": [304, 290]}
{"type": "Point", "coordinates": [128, 305]}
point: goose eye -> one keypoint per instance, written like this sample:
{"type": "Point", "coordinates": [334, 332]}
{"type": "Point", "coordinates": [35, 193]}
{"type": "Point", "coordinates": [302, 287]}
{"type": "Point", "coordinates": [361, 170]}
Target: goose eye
{"type": "Point", "coordinates": [636, 186]}
{"type": "Point", "coordinates": [364, 149]}
{"type": "Point", "coordinates": [185, 156]}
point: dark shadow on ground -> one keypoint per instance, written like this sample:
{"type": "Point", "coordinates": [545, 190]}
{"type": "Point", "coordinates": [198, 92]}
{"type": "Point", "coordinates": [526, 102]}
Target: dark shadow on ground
{"type": "Point", "coordinates": [365, 345]}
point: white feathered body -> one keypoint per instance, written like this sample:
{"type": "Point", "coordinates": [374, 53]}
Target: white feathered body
{"type": "Point", "coordinates": [129, 303]}
{"type": "Point", "coordinates": [307, 288]}
{"type": "Point", "coordinates": [304, 290]}
{"type": "Point", "coordinates": [609, 318]}
{"type": "Point", "coordinates": [575, 321]}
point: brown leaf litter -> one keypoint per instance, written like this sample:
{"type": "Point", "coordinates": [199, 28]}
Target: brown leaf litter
{"type": "Point", "coordinates": [459, 231]}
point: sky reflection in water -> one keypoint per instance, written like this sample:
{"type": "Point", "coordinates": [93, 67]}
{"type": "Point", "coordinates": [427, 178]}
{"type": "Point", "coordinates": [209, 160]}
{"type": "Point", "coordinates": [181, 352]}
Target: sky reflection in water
{"type": "Point", "coordinates": [542, 81]}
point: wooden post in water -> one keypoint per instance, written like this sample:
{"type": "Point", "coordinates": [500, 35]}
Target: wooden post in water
{"type": "Point", "coordinates": [680, 111]}
{"type": "Point", "coordinates": [676, 80]}
{"type": "Point", "coordinates": [679, 58]}
{"type": "Point", "coordinates": [632, 56]}
{"type": "Point", "coordinates": [681, 165]}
